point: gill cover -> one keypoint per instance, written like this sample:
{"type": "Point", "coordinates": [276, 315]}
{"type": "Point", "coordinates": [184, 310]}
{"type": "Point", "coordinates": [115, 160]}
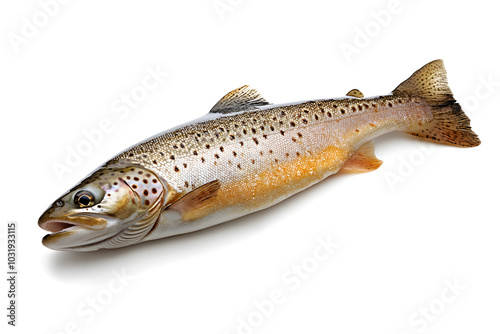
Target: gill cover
{"type": "Point", "coordinates": [149, 193]}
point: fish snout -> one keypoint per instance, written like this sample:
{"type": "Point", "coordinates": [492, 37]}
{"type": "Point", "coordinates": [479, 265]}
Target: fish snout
{"type": "Point", "coordinates": [55, 219]}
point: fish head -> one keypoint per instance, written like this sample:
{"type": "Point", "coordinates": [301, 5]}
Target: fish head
{"type": "Point", "coordinates": [116, 206]}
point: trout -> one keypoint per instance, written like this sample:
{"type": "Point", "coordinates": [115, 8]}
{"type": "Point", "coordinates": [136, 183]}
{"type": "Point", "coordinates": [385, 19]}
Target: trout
{"type": "Point", "coordinates": [245, 155]}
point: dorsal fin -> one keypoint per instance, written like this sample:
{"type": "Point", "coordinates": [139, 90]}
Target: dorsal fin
{"type": "Point", "coordinates": [355, 93]}
{"type": "Point", "coordinates": [241, 98]}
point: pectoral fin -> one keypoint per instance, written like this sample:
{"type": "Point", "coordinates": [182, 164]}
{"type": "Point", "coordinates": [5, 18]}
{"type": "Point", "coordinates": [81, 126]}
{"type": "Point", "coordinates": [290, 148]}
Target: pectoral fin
{"type": "Point", "coordinates": [363, 160]}
{"type": "Point", "coordinates": [191, 205]}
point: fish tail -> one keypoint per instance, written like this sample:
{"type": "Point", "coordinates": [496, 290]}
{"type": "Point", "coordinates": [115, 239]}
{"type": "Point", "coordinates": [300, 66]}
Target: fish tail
{"type": "Point", "coordinates": [450, 124]}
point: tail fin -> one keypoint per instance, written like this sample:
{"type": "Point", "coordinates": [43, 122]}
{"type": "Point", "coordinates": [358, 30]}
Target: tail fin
{"type": "Point", "coordinates": [450, 124]}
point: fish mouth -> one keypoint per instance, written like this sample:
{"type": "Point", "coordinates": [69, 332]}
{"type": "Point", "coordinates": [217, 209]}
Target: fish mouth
{"type": "Point", "coordinates": [56, 226]}
{"type": "Point", "coordinates": [68, 235]}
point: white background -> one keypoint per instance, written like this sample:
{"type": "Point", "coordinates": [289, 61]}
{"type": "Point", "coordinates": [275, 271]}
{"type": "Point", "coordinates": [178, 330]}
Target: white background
{"type": "Point", "coordinates": [399, 244]}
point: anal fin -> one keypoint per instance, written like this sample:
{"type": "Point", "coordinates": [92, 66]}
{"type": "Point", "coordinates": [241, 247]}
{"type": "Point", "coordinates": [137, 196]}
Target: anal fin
{"type": "Point", "coordinates": [363, 160]}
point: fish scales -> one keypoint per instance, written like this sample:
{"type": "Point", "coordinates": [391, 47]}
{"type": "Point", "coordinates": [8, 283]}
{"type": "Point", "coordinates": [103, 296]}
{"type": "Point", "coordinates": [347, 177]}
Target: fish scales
{"type": "Point", "coordinates": [234, 146]}
{"type": "Point", "coordinates": [264, 156]}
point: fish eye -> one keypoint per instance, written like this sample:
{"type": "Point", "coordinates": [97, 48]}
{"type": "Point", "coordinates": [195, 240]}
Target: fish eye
{"type": "Point", "coordinates": [84, 199]}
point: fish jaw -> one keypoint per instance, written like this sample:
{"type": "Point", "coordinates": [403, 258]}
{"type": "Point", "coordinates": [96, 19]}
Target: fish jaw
{"type": "Point", "coordinates": [70, 232]}
{"type": "Point", "coordinates": [83, 232]}
{"type": "Point", "coordinates": [73, 236]}
{"type": "Point", "coordinates": [69, 228]}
